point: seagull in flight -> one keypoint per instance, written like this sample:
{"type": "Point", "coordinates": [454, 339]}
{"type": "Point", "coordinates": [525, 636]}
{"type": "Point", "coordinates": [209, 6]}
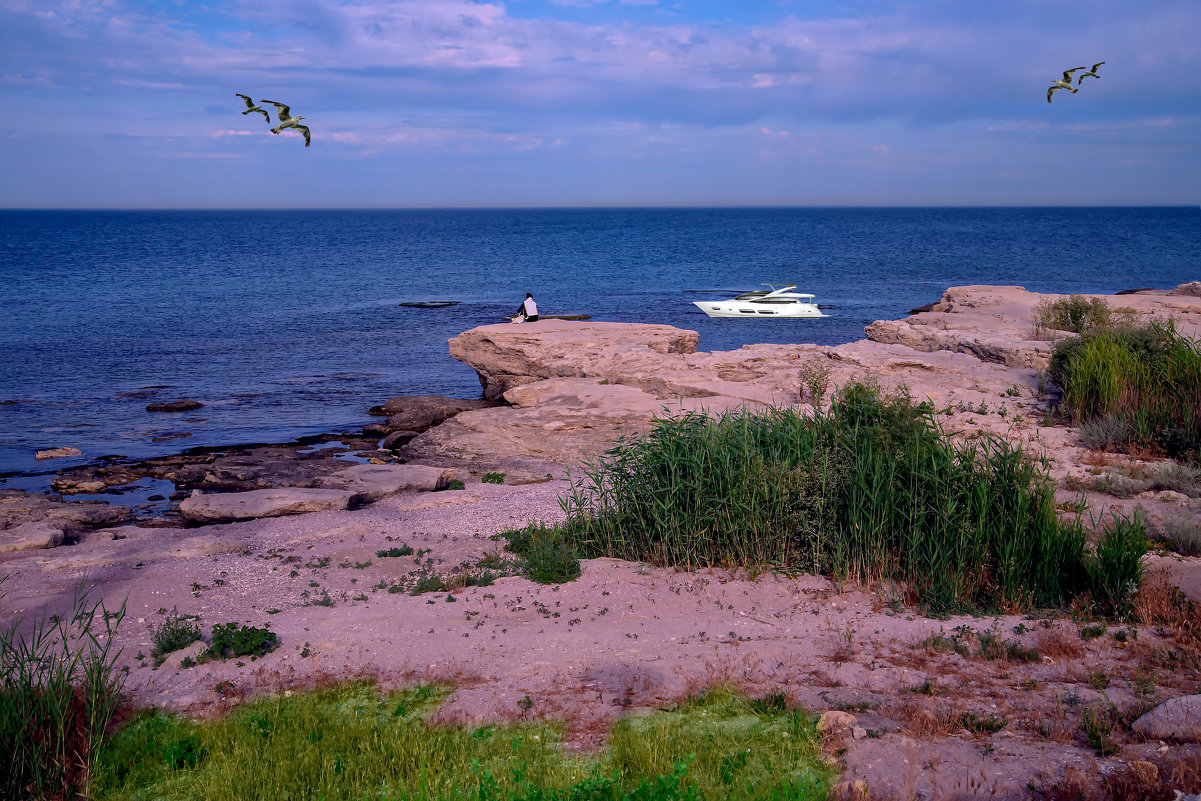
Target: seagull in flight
{"type": "Point", "coordinates": [286, 120]}
{"type": "Point", "coordinates": [1063, 83]}
{"type": "Point", "coordinates": [250, 106]}
{"type": "Point", "coordinates": [1092, 72]}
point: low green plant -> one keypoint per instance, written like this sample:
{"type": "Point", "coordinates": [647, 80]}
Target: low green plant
{"type": "Point", "coordinates": [403, 550]}
{"type": "Point", "coordinates": [228, 640]}
{"type": "Point", "coordinates": [175, 632]}
{"type": "Point", "coordinates": [311, 745]}
{"type": "Point", "coordinates": [493, 478]}
{"type": "Point", "coordinates": [59, 691]}
{"type": "Point", "coordinates": [546, 553]}
{"type": "Point", "coordinates": [453, 484]}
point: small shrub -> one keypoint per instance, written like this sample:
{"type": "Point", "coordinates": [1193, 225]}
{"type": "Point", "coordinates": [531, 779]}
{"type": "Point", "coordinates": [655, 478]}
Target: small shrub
{"type": "Point", "coordinates": [453, 484]}
{"type": "Point", "coordinates": [403, 550]}
{"type": "Point", "coordinates": [493, 478]}
{"type": "Point", "coordinates": [228, 641]}
{"type": "Point", "coordinates": [815, 378]}
{"type": "Point", "coordinates": [1074, 313]}
{"type": "Point", "coordinates": [1181, 534]}
{"type": "Point", "coordinates": [175, 632]}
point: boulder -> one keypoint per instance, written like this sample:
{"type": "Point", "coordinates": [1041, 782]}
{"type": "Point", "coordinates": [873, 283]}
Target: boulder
{"type": "Point", "coordinates": [1191, 289]}
{"type": "Point", "coordinates": [1178, 719]}
{"type": "Point", "coordinates": [835, 721]}
{"type": "Point", "coordinates": [57, 453]}
{"type": "Point", "coordinates": [225, 507]}
{"type": "Point", "coordinates": [396, 440]}
{"type": "Point", "coordinates": [183, 405]}
{"type": "Point", "coordinates": [370, 482]}
{"type": "Point", "coordinates": [32, 536]}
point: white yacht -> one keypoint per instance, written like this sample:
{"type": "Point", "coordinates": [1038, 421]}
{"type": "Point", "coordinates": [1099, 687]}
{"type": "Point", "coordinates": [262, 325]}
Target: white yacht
{"type": "Point", "coordinates": [782, 302]}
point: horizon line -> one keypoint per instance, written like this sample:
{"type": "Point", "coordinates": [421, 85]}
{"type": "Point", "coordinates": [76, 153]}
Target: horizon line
{"type": "Point", "coordinates": [611, 207]}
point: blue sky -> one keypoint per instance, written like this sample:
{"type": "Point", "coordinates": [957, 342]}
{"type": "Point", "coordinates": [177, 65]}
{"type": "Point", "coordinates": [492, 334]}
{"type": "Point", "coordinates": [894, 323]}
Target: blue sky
{"type": "Point", "coordinates": [420, 103]}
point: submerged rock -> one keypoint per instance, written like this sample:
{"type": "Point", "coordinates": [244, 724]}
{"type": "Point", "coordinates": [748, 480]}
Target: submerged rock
{"type": "Point", "coordinates": [57, 453]}
{"type": "Point", "coordinates": [174, 406]}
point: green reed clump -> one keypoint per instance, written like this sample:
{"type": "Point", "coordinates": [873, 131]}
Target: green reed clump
{"type": "Point", "coordinates": [58, 693]}
{"type": "Point", "coordinates": [1115, 568]}
{"type": "Point", "coordinates": [870, 490]}
{"type": "Point", "coordinates": [354, 742]}
{"type": "Point", "coordinates": [1142, 382]}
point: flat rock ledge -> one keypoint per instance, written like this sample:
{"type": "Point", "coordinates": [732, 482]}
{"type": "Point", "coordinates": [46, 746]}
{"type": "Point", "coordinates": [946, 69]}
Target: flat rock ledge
{"type": "Point", "coordinates": [230, 506]}
{"type": "Point", "coordinates": [572, 389]}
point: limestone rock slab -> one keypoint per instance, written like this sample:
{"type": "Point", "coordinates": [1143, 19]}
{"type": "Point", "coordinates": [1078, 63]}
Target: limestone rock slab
{"type": "Point", "coordinates": [32, 536]}
{"type": "Point", "coordinates": [370, 482]}
{"type": "Point", "coordinates": [229, 506]}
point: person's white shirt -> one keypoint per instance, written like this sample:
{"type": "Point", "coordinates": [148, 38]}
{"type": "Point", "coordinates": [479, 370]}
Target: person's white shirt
{"type": "Point", "coordinates": [531, 308]}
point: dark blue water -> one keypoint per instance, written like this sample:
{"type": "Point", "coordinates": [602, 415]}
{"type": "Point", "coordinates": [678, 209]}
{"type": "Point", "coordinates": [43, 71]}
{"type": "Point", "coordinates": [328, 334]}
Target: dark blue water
{"type": "Point", "coordinates": [287, 323]}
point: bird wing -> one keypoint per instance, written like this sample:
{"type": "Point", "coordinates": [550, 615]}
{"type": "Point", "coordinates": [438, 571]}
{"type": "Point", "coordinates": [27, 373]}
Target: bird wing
{"type": "Point", "coordinates": [304, 129]}
{"type": "Point", "coordinates": [1094, 69]}
{"type": "Point", "coordinates": [262, 111]}
{"type": "Point", "coordinates": [1050, 92]}
{"type": "Point", "coordinates": [284, 111]}
{"type": "Point", "coordinates": [249, 102]}
{"type": "Point", "coordinates": [1067, 74]}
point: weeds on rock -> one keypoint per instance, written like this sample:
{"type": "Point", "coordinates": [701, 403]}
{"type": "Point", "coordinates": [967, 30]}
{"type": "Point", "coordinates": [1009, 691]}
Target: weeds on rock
{"type": "Point", "coordinates": [546, 555]}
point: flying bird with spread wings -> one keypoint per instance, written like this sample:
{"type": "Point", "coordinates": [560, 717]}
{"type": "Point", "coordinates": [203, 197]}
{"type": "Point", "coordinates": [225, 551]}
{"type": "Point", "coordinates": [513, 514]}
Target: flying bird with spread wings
{"type": "Point", "coordinates": [1063, 83]}
{"type": "Point", "coordinates": [1092, 72]}
{"type": "Point", "coordinates": [250, 106]}
{"type": "Point", "coordinates": [286, 120]}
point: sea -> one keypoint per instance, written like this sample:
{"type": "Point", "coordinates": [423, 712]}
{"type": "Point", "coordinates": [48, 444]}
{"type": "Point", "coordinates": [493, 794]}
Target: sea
{"type": "Point", "coordinates": [293, 323]}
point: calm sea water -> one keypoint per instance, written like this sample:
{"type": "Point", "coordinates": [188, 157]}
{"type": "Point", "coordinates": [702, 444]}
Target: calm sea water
{"type": "Point", "coordinates": [287, 323]}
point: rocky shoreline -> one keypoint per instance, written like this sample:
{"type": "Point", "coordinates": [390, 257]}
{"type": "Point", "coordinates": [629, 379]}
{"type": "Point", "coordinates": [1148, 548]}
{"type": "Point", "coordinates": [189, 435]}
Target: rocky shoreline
{"type": "Point", "coordinates": [255, 534]}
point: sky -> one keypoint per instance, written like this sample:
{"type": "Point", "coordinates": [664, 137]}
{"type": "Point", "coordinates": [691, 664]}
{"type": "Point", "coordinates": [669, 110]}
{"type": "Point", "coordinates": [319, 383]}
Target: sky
{"type": "Point", "coordinates": [457, 103]}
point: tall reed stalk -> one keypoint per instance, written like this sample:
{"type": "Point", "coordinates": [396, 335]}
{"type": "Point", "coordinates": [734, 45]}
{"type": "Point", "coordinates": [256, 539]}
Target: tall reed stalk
{"type": "Point", "coordinates": [58, 693]}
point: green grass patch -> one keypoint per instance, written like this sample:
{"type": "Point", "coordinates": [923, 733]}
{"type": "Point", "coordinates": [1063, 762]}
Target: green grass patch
{"type": "Point", "coordinates": [869, 489]}
{"type": "Point", "coordinates": [353, 742]}
{"type": "Point", "coordinates": [394, 551]}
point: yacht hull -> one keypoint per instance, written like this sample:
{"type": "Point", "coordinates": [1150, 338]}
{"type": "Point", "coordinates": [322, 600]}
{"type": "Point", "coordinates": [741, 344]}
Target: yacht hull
{"type": "Point", "coordinates": [750, 309]}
